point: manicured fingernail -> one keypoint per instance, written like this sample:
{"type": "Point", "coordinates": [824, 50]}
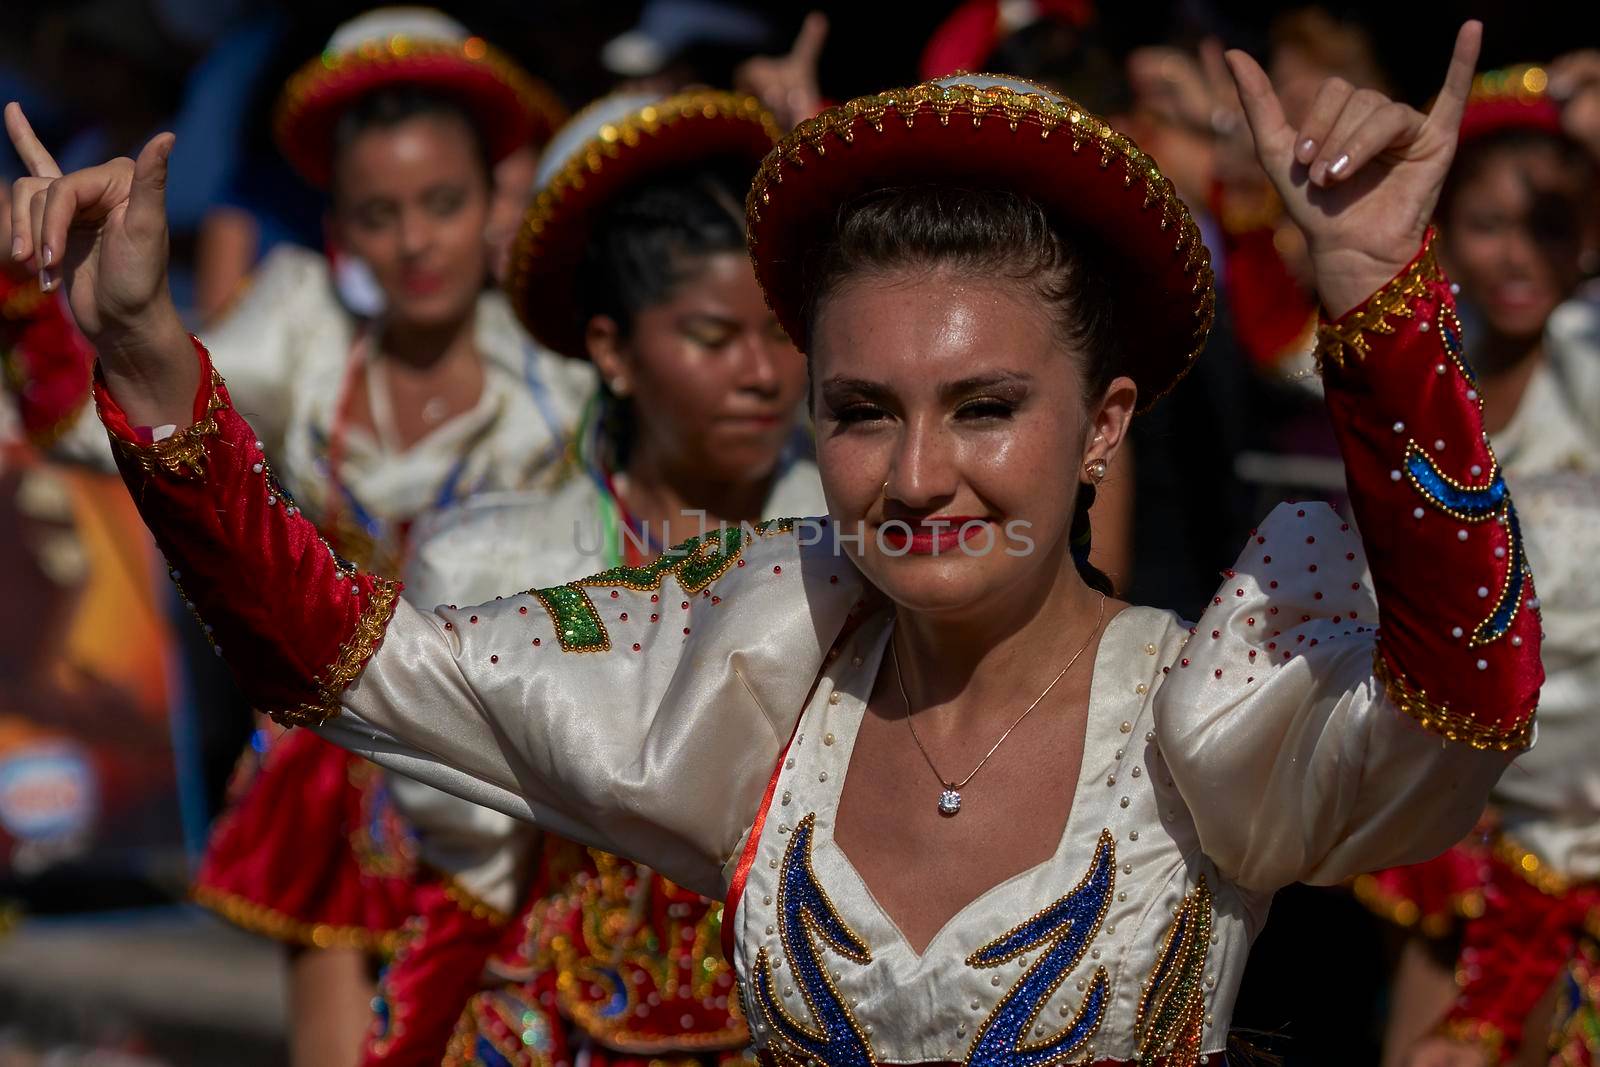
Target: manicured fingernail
{"type": "Point", "coordinates": [48, 255]}
{"type": "Point", "coordinates": [46, 283]}
{"type": "Point", "coordinates": [1307, 151]}
{"type": "Point", "coordinates": [1338, 166]}
{"type": "Point", "coordinates": [16, 247]}
{"type": "Point", "coordinates": [1319, 173]}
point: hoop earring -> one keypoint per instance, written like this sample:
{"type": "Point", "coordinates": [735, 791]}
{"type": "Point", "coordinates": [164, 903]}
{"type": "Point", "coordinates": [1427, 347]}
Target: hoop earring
{"type": "Point", "coordinates": [1096, 470]}
{"type": "Point", "coordinates": [885, 490]}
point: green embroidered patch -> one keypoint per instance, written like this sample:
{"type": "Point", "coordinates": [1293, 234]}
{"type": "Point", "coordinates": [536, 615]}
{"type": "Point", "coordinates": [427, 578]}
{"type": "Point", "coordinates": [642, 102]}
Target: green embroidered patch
{"type": "Point", "coordinates": [696, 563]}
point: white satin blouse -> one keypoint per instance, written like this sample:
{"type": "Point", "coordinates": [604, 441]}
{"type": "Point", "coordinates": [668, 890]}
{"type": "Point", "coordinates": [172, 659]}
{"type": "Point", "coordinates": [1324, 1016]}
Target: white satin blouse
{"type": "Point", "coordinates": [646, 713]}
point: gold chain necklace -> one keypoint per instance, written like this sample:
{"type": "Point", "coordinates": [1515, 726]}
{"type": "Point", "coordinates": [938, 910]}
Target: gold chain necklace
{"type": "Point", "coordinates": [950, 797]}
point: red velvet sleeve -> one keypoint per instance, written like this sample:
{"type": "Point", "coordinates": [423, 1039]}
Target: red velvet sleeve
{"type": "Point", "coordinates": [1458, 646]}
{"type": "Point", "coordinates": [46, 359]}
{"type": "Point", "coordinates": [297, 622]}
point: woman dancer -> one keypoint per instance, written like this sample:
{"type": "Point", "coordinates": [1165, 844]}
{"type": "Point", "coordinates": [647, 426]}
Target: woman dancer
{"type": "Point", "coordinates": [642, 270]}
{"type": "Point", "coordinates": [824, 736]}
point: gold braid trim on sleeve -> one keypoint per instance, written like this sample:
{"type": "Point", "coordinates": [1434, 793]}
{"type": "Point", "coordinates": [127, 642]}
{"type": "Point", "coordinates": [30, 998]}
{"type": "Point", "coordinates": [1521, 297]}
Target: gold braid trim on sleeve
{"type": "Point", "coordinates": [1478, 1033]}
{"type": "Point", "coordinates": [1440, 719]}
{"type": "Point", "coordinates": [1347, 338]}
{"type": "Point", "coordinates": [269, 922]}
{"type": "Point", "coordinates": [352, 659]}
{"type": "Point", "coordinates": [470, 902]}
{"type": "Point", "coordinates": [183, 455]}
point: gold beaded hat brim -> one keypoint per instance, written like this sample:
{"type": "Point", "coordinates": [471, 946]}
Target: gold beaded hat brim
{"type": "Point", "coordinates": [1515, 98]}
{"type": "Point", "coordinates": [995, 131]}
{"type": "Point", "coordinates": [612, 146]}
{"type": "Point", "coordinates": [509, 107]}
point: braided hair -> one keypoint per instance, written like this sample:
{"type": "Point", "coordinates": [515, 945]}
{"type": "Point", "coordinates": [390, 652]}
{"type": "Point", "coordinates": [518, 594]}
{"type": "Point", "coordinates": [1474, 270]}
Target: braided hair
{"type": "Point", "coordinates": [990, 233]}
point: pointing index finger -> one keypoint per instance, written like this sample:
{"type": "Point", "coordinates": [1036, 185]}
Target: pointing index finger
{"type": "Point", "coordinates": [39, 162]}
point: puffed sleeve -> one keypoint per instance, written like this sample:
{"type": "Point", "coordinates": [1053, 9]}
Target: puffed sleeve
{"type": "Point", "coordinates": [640, 710]}
{"type": "Point", "coordinates": [1347, 702]}
{"type": "Point", "coordinates": [464, 555]}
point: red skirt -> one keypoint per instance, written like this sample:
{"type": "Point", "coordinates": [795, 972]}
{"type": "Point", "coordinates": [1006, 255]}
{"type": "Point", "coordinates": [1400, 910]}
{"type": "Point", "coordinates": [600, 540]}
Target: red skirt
{"type": "Point", "coordinates": [313, 852]}
{"type": "Point", "coordinates": [1434, 896]}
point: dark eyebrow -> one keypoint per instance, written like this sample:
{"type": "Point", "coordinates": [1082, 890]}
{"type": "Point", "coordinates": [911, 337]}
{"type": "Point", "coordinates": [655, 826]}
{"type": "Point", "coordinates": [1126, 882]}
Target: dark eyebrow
{"type": "Point", "coordinates": [839, 388]}
{"type": "Point", "coordinates": [1003, 380]}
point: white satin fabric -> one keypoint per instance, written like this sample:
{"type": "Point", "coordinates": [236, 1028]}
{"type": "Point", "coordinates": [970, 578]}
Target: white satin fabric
{"type": "Point", "coordinates": [1272, 771]}
{"type": "Point", "coordinates": [285, 350]}
{"type": "Point", "coordinates": [1549, 799]}
{"type": "Point", "coordinates": [491, 543]}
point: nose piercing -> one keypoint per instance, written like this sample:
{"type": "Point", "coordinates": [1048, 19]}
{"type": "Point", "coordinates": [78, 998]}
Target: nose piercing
{"type": "Point", "coordinates": [886, 490]}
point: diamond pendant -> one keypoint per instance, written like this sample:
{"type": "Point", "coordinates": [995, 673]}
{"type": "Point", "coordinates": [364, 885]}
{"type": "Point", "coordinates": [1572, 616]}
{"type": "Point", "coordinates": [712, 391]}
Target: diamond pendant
{"type": "Point", "coordinates": [949, 802]}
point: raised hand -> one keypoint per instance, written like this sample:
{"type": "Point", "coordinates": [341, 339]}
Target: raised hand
{"type": "Point", "coordinates": [102, 231]}
{"type": "Point", "coordinates": [788, 84]}
{"type": "Point", "coordinates": [1362, 174]}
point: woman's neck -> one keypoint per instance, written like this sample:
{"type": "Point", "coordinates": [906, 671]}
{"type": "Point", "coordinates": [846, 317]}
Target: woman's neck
{"type": "Point", "coordinates": [980, 659]}
{"type": "Point", "coordinates": [1505, 366]}
{"type": "Point", "coordinates": [677, 504]}
{"type": "Point", "coordinates": [422, 348]}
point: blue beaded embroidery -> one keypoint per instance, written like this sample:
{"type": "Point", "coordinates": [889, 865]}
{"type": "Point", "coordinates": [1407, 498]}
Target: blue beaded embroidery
{"type": "Point", "coordinates": [1063, 930]}
{"type": "Point", "coordinates": [487, 1054]}
{"type": "Point", "coordinates": [1467, 503]}
{"type": "Point", "coordinates": [1476, 504]}
{"type": "Point", "coordinates": [805, 910]}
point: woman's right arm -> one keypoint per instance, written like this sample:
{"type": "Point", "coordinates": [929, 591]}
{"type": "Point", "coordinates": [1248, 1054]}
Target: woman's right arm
{"type": "Point", "coordinates": [640, 711]}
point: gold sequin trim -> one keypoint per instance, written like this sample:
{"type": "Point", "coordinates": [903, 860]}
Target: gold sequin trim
{"type": "Point", "coordinates": [183, 455]}
{"type": "Point", "coordinates": [1171, 1015]}
{"type": "Point", "coordinates": [1403, 911]}
{"type": "Point", "coordinates": [1441, 719]}
{"type": "Point", "coordinates": [1533, 870]}
{"type": "Point", "coordinates": [1478, 1032]}
{"type": "Point", "coordinates": [1347, 339]}
{"type": "Point", "coordinates": [471, 903]}
{"type": "Point", "coordinates": [352, 659]}
{"type": "Point", "coordinates": [314, 76]}
{"type": "Point", "coordinates": [269, 922]}
{"type": "Point", "coordinates": [1044, 112]}
{"type": "Point", "coordinates": [609, 144]}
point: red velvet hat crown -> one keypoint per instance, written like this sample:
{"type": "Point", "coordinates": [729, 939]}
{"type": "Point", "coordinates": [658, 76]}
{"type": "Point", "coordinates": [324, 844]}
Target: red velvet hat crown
{"type": "Point", "coordinates": [411, 46]}
{"type": "Point", "coordinates": [984, 130]}
{"type": "Point", "coordinates": [609, 147]}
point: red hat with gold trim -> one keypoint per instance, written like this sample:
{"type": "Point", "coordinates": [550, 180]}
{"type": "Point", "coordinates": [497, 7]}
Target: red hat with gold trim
{"type": "Point", "coordinates": [995, 131]}
{"type": "Point", "coordinates": [609, 147]}
{"type": "Point", "coordinates": [410, 46]}
{"type": "Point", "coordinates": [1514, 98]}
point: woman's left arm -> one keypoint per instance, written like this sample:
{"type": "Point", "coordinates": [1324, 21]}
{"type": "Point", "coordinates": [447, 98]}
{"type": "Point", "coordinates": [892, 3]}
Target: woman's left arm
{"type": "Point", "coordinates": [1459, 647]}
{"type": "Point", "coordinates": [1368, 749]}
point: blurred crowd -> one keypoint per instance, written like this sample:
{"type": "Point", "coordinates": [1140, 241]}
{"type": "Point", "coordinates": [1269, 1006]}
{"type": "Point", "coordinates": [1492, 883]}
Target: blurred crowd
{"type": "Point", "coordinates": [119, 732]}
